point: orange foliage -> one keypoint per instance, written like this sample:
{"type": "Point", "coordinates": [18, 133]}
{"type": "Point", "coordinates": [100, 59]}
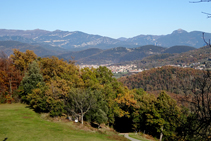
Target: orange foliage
{"type": "Point", "coordinates": [10, 77]}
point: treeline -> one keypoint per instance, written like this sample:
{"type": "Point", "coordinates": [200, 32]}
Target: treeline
{"type": "Point", "coordinates": [58, 87]}
{"type": "Point", "coordinates": [173, 79]}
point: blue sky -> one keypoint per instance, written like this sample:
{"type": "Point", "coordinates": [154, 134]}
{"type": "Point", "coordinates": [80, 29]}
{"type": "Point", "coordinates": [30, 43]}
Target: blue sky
{"type": "Point", "coordinates": [112, 18]}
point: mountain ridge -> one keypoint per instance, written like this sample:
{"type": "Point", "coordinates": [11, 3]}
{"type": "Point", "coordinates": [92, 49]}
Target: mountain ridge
{"type": "Point", "coordinates": [92, 55]}
{"type": "Point", "coordinates": [120, 54]}
{"type": "Point", "coordinates": [77, 40]}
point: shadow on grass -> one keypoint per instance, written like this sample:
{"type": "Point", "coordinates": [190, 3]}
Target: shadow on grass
{"type": "Point", "coordinates": [29, 107]}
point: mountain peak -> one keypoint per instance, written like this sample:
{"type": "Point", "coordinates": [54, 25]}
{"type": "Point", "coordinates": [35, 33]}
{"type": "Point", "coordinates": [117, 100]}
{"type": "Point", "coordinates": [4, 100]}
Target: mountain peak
{"type": "Point", "coordinates": [179, 31]}
{"type": "Point", "coordinates": [122, 39]}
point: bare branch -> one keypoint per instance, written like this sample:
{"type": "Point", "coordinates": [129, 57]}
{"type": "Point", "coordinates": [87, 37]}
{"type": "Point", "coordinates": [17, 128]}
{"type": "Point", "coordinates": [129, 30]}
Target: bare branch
{"type": "Point", "coordinates": [200, 1]}
{"type": "Point", "coordinates": [208, 14]}
{"type": "Point", "coordinates": [208, 44]}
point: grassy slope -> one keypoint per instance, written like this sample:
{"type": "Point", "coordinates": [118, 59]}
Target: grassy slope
{"type": "Point", "coordinates": [20, 123]}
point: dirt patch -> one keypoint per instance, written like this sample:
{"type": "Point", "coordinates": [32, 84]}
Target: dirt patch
{"type": "Point", "coordinates": [149, 137]}
{"type": "Point", "coordinates": [117, 137]}
{"type": "Point", "coordinates": [86, 126]}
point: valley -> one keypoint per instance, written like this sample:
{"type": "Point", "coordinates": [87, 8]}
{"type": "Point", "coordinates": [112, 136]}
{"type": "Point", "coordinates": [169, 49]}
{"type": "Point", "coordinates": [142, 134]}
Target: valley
{"type": "Point", "coordinates": [102, 88]}
{"type": "Point", "coordinates": [105, 70]}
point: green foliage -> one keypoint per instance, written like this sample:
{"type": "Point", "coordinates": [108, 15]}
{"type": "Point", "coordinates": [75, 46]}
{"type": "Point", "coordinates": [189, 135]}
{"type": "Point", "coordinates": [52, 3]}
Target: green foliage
{"type": "Point", "coordinates": [156, 115]}
{"type": "Point", "coordinates": [89, 78]}
{"type": "Point", "coordinates": [31, 79]}
{"type": "Point", "coordinates": [100, 110]}
{"type": "Point", "coordinates": [41, 101]}
{"type": "Point", "coordinates": [60, 87]}
{"type": "Point", "coordinates": [145, 104]}
{"type": "Point", "coordinates": [139, 91]}
{"type": "Point", "coordinates": [80, 101]}
{"type": "Point", "coordinates": [104, 75]}
{"type": "Point", "coordinates": [100, 116]}
{"type": "Point", "coordinates": [2, 98]}
{"type": "Point", "coordinates": [165, 115]}
{"type": "Point", "coordinates": [38, 100]}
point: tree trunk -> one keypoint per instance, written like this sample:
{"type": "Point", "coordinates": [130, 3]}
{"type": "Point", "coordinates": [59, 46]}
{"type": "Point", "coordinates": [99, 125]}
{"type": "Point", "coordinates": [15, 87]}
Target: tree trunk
{"type": "Point", "coordinates": [82, 118]}
{"type": "Point", "coordinates": [161, 133]}
{"type": "Point", "coordinates": [161, 136]}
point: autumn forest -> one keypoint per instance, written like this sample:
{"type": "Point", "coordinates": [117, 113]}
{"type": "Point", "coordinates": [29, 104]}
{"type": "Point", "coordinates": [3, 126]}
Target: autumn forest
{"type": "Point", "coordinates": [167, 102]}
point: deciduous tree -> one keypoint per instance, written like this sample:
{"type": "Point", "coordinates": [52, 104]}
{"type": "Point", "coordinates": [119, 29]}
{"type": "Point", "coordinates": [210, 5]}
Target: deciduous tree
{"type": "Point", "coordinates": [23, 59]}
{"type": "Point", "coordinates": [80, 101]}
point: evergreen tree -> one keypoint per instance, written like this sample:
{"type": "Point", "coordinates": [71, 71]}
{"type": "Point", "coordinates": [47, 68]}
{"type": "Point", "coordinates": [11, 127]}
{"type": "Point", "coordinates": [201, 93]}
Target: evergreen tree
{"type": "Point", "coordinates": [30, 80]}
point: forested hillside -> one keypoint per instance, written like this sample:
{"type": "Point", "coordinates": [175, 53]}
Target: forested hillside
{"type": "Point", "coordinates": [187, 58]}
{"type": "Point", "coordinates": [60, 88]}
{"type": "Point", "coordinates": [178, 49]}
{"type": "Point", "coordinates": [172, 79]}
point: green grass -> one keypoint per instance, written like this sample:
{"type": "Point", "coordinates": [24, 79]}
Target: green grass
{"type": "Point", "coordinates": [18, 123]}
{"type": "Point", "coordinates": [140, 137]}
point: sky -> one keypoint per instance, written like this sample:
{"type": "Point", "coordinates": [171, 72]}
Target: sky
{"type": "Point", "coordinates": [111, 18]}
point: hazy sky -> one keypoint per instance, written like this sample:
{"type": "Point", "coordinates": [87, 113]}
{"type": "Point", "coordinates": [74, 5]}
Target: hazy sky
{"type": "Point", "coordinates": [112, 18]}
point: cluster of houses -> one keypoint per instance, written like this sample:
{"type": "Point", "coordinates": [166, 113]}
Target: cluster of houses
{"type": "Point", "coordinates": [133, 68]}
{"type": "Point", "coordinates": [116, 68]}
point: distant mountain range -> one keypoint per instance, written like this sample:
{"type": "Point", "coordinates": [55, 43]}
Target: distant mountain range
{"type": "Point", "coordinates": [93, 55]}
{"type": "Point", "coordinates": [44, 50]}
{"type": "Point", "coordinates": [177, 37]}
{"type": "Point", "coordinates": [121, 54]}
{"type": "Point", "coordinates": [79, 41]}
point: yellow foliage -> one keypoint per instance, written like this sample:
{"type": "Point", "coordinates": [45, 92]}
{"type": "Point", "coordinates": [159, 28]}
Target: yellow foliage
{"type": "Point", "coordinates": [58, 88]}
{"type": "Point", "coordinates": [22, 59]}
{"type": "Point", "coordinates": [126, 99]}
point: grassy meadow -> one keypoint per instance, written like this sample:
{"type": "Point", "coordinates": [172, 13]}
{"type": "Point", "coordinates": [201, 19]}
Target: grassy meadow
{"type": "Point", "coordinates": [19, 123]}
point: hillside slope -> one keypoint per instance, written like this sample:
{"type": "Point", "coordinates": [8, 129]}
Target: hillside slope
{"type": "Point", "coordinates": [172, 79]}
{"type": "Point", "coordinates": [178, 49]}
{"type": "Point", "coordinates": [120, 54]}
{"type": "Point", "coordinates": [7, 46]}
{"type": "Point", "coordinates": [185, 58]}
{"type": "Point", "coordinates": [21, 123]}
{"type": "Point", "coordinates": [93, 55]}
